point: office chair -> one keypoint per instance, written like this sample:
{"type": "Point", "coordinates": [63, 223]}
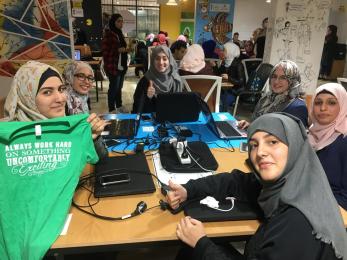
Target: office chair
{"type": "Point", "coordinates": [209, 87]}
{"type": "Point", "coordinates": [250, 65]}
{"type": "Point", "coordinates": [343, 82]}
{"type": "Point", "coordinates": [254, 86]}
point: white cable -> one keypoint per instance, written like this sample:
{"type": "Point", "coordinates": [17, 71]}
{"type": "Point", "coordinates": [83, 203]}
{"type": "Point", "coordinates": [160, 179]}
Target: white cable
{"type": "Point", "coordinates": [191, 156]}
{"type": "Point", "coordinates": [214, 204]}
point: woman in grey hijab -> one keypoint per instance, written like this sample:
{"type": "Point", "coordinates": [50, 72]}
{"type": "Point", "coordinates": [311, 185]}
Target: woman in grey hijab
{"type": "Point", "coordinates": [79, 78]}
{"type": "Point", "coordinates": [161, 77]}
{"type": "Point", "coordinates": [285, 94]}
{"type": "Point", "coordinates": [301, 217]}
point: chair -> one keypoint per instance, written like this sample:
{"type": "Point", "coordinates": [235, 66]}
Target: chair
{"type": "Point", "coordinates": [150, 49]}
{"type": "Point", "coordinates": [250, 65]}
{"type": "Point", "coordinates": [209, 87]}
{"type": "Point", "coordinates": [2, 106]}
{"type": "Point", "coordinates": [343, 82]}
{"type": "Point", "coordinates": [254, 86]}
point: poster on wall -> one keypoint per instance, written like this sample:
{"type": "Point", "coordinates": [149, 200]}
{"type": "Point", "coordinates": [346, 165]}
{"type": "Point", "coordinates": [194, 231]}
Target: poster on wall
{"type": "Point", "coordinates": [214, 20]}
{"type": "Point", "coordinates": [33, 30]}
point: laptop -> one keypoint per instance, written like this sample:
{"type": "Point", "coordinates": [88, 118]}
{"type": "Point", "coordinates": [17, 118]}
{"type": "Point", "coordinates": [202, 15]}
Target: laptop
{"type": "Point", "coordinates": [77, 55]}
{"type": "Point", "coordinates": [122, 128]}
{"type": "Point", "coordinates": [177, 107]}
{"type": "Point", "coordinates": [222, 129]}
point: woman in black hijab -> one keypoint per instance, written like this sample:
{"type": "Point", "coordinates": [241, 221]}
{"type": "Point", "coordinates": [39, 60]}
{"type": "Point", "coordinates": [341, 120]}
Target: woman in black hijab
{"type": "Point", "coordinates": [161, 77]}
{"type": "Point", "coordinates": [114, 52]}
{"type": "Point", "coordinates": [301, 221]}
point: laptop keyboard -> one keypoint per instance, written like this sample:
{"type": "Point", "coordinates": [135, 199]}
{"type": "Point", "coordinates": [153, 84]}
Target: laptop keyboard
{"type": "Point", "coordinates": [121, 128]}
{"type": "Point", "coordinates": [227, 129]}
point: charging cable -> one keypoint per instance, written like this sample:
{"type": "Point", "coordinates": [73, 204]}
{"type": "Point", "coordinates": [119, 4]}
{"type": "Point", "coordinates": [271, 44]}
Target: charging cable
{"type": "Point", "coordinates": [214, 204]}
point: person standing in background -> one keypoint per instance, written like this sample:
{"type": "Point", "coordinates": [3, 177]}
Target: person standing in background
{"type": "Point", "coordinates": [114, 52]}
{"type": "Point", "coordinates": [329, 50]}
{"type": "Point", "coordinates": [261, 38]}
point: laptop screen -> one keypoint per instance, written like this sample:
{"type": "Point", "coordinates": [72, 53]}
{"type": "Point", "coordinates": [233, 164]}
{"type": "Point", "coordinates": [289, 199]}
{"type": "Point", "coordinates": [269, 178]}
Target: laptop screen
{"type": "Point", "coordinates": [77, 54]}
{"type": "Point", "coordinates": [177, 107]}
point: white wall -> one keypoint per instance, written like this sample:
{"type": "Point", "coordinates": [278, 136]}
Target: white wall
{"type": "Point", "coordinates": [302, 39]}
{"type": "Point", "coordinates": [248, 16]}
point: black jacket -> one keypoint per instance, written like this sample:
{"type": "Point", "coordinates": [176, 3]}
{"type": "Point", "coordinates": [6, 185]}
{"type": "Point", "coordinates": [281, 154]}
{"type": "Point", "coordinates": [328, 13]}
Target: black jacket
{"type": "Point", "coordinates": [286, 235]}
{"type": "Point", "coordinates": [140, 95]}
{"type": "Point", "coordinates": [236, 73]}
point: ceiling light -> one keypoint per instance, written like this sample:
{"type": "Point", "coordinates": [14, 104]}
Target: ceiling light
{"type": "Point", "coordinates": [268, 1]}
{"type": "Point", "coordinates": [171, 2]}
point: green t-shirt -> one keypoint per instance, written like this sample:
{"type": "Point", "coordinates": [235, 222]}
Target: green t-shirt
{"type": "Point", "coordinates": [38, 177]}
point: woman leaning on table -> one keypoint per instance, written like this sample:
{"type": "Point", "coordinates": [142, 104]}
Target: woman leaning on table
{"type": "Point", "coordinates": [38, 93]}
{"type": "Point", "coordinates": [285, 94]}
{"type": "Point", "coordinates": [301, 217]}
{"type": "Point", "coordinates": [161, 77]}
{"type": "Point", "coordinates": [327, 136]}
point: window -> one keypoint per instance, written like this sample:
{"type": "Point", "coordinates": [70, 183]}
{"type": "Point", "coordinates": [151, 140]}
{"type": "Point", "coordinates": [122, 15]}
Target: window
{"type": "Point", "coordinates": [141, 16]}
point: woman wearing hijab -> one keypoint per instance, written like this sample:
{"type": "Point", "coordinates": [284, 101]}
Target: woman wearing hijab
{"type": "Point", "coordinates": [285, 94]}
{"type": "Point", "coordinates": [327, 136]}
{"type": "Point", "coordinates": [209, 49]}
{"type": "Point", "coordinates": [231, 70]}
{"type": "Point", "coordinates": [161, 77]}
{"type": "Point", "coordinates": [38, 93]}
{"type": "Point", "coordinates": [79, 78]}
{"type": "Point", "coordinates": [114, 52]}
{"type": "Point", "coordinates": [301, 217]}
{"type": "Point", "coordinates": [193, 62]}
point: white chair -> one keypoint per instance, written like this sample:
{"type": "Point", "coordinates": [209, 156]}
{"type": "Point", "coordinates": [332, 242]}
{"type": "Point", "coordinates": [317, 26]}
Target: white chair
{"type": "Point", "coordinates": [209, 87]}
{"type": "Point", "coordinates": [343, 82]}
{"type": "Point", "coordinates": [250, 65]}
{"type": "Point", "coordinates": [150, 49]}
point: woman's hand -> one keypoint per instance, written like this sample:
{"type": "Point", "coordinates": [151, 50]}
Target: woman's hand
{"type": "Point", "coordinates": [224, 76]}
{"type": "Point", "coordinates": [243, 124]}
{"type": "Point", "coordinates": [150, 90]}
{"type": "Point", "coordinates": [97, 125]}
{"type": "Point", "coordinates": [190, 230]}
{"type": "Point", "coordinates": [176, 195]}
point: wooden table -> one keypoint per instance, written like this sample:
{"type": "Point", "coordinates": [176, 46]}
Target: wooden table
{"type": "Point", "coordinates": [153, 228]}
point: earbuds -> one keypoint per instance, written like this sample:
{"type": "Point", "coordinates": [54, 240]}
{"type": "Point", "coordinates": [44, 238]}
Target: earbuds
{"type": "Point", "coordinates": [141, 207]}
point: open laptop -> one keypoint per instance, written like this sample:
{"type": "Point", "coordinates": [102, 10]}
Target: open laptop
{"type": "Point", "coordinates": [122, 128]}
{"type": "Point", "coordinates": [222, 129]}
{"type": "Point", "coordinates": [177, 107]}
{"type": "Point", "coordinates": [77, 54]}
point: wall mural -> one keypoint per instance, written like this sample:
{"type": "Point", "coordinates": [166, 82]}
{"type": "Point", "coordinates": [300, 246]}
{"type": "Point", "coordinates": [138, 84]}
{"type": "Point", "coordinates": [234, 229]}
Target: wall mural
{"type": "Point", "coordinates": [33, 30]}
{"type": "Point", "coordinates": [213, 20]}
{"type": "Point", "coordinates": [298, 32]}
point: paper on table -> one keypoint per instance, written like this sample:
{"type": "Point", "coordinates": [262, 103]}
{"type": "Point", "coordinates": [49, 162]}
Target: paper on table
{"type": "Point", "coordinates": [180, 178]}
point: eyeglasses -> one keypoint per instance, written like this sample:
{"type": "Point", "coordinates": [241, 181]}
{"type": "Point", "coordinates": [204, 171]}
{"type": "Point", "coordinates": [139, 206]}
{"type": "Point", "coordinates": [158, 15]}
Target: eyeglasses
{"type": "Point", "coordinates": [83, 77]}
{"type": "Point", "coordinates": [280, 78]}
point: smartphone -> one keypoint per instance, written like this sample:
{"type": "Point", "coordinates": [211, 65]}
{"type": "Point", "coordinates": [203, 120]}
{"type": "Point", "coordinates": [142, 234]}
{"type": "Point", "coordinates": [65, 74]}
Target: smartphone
{"type": "Point", "coordinates": [145, 117]}
{"type": "Point", "coordinates": [243, 147]}
{"type": "Point", "coordinates": [114, 178]}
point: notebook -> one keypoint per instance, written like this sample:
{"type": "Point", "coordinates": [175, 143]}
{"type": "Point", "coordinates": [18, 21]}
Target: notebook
{"type": "Point", "coordinates": [222, 129]}
{"type": "Point", "coordinates": [135, 165]}
{"type": "Point", "coordinates": [77, 54]}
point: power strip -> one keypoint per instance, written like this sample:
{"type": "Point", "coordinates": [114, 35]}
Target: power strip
{"type": "Point", "coordinates": [179, 148]}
